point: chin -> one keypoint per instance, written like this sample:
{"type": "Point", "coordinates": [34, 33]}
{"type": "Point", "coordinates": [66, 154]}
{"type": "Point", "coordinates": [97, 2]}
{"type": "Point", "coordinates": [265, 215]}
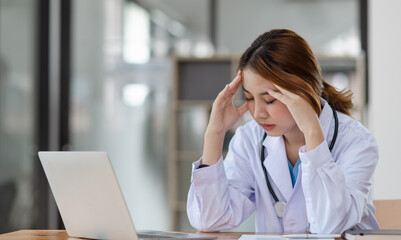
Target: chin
{"type": "Point", "coordinates": [273, 134]}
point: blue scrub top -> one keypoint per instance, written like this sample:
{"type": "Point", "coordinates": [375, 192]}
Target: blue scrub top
{"type": "Point", "coordinates": [294, 171]}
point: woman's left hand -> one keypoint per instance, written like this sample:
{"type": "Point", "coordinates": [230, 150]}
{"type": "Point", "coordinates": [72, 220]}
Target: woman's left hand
{"type": "Point", "coordinates": [303, 114]}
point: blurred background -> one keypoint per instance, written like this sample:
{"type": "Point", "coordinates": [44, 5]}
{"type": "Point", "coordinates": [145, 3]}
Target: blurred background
{"type": "Point", "coordinates": [125, 77]}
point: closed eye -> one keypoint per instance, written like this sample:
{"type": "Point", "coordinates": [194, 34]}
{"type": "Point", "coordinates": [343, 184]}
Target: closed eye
{"type": "Point", "coordinates": [248, 99]}
{"type": "Point", "coordinates": [270, 102]}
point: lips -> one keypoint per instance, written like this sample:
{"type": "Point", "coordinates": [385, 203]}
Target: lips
{"type": "Point", "coordinates": [268, 127]}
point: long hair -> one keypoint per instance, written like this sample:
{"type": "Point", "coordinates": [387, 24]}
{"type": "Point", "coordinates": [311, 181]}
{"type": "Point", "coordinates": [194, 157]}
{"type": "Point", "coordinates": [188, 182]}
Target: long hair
{"type": "Point", "coordinates": [286, 59]}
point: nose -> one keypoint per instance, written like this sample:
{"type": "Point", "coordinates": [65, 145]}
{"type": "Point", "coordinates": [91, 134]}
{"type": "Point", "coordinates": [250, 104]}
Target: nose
{"type": "Point", "coordinates": [260, 111]}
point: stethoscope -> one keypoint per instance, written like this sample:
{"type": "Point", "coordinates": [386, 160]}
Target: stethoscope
{"type": "Point", "coordinates": [279, 206]}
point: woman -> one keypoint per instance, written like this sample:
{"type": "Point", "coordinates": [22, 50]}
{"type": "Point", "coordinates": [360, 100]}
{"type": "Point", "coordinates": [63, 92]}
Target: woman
{"type": "Point", "coordinates": [318, 162]}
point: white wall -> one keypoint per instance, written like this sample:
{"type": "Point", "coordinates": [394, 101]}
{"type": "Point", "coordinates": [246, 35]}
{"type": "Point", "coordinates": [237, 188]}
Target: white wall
{"type": "Point", "coordinates": [385, 98]}
{"type": "Point", "coordinates": [319, 22]}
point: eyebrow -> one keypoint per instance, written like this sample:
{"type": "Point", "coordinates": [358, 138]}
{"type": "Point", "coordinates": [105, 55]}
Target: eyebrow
{"type": "Point", "coordinates": [261, 94]}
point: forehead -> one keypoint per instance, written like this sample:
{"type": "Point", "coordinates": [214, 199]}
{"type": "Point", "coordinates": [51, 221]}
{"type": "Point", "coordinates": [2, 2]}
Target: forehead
{"type": "Point", "coordinates": [254, 82]}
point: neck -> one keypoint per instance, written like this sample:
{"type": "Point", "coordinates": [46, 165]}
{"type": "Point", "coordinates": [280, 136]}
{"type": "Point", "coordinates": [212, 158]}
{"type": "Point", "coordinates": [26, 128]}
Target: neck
{"type": "Point", "coordinates": [294, 137]}
{"type": "Point", "coordinates": [293, 141]}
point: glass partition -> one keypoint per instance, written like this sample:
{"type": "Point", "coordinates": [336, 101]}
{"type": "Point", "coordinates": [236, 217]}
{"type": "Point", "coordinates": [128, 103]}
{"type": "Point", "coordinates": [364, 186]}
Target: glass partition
{"type": "Point", "coordinates": [121, 107]}
{"type": "Point", "coordinates": [17, 113]}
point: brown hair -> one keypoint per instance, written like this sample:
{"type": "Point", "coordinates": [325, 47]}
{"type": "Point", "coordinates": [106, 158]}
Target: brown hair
{"type": "Point", "coordinates": [286, 59]}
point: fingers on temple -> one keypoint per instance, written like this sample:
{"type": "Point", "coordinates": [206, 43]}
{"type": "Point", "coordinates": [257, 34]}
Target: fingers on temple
{"type": "Point", "coordinates": [236, 82]}
{"type": "Point", "coordinates": [230, 89]}
{"type": "Point", "coordinates": [273, 93]}
{"type": "Point", "coordinates": [283, 91]}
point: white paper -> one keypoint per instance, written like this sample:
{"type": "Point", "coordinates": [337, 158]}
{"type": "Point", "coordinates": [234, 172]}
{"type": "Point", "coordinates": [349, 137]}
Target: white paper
{"type": "Point", "coordinates": [286, 236]}
{"type": "Point", "coordinates": [259, 237]}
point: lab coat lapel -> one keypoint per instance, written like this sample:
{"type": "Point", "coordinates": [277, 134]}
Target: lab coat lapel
{"type": "Point", "coordinates": [276, 163]}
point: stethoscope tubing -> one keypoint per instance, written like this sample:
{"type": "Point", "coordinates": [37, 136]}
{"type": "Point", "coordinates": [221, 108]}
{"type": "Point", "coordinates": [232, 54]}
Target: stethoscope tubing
{"type": "Point", "coordinates": [262, 155]}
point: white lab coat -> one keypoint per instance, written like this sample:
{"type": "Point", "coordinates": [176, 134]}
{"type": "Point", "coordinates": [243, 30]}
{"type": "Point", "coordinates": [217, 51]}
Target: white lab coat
{"type": "Point", "coordinates": [333, 191]}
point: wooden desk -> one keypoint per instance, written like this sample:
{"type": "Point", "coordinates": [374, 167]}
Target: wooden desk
{"type": "Point", "coordinates": [62, 235]}
{"type": "Point", "coordinates": [36, 234]}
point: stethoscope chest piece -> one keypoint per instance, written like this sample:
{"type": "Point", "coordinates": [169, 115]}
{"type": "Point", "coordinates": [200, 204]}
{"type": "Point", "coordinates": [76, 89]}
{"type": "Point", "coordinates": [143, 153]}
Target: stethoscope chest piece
{"type": "Point", "coordinates": [279, 207]}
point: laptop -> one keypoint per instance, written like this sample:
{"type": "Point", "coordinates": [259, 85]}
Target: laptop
{"type": "Point", "coordinates": [90, 200]}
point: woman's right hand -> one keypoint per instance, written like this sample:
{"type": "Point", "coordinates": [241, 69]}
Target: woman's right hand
{"type": "Point", "coordinates": [223, 116]}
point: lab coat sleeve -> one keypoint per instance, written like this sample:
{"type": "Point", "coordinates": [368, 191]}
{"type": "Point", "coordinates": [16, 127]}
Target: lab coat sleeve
{"type": "Point", "coordinates": [336, 192]}
{"type": "Point", "coordinates": [221, 196]}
